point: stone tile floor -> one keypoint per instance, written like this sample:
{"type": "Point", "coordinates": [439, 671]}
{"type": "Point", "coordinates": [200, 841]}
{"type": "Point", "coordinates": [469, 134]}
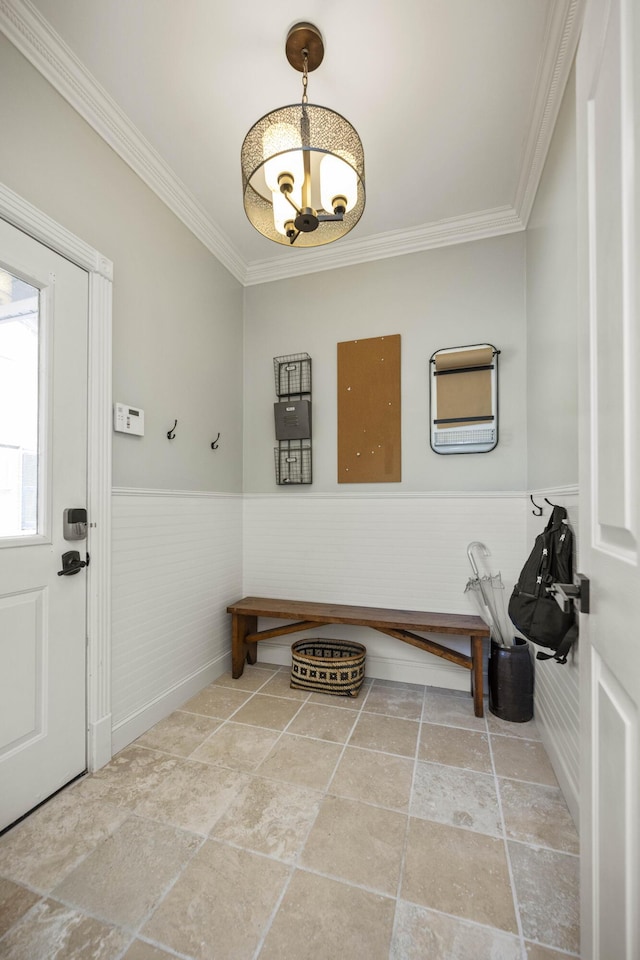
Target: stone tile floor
{"type": "Point", "coordinates": [260, 821]}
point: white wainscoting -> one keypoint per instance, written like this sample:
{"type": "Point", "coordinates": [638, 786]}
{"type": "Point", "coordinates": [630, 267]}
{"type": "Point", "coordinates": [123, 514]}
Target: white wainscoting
{"type": "Point", "coordinates": [402, 550]}
{"type": "Point", "coordinates": [177, 564]}
{"type": "Point", "coordinates": [557, 694]}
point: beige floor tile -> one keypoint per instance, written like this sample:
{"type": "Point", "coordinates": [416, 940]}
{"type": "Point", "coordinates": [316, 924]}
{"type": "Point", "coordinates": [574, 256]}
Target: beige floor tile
{"type": "Point", "coordinates": [236, 745]}
{"type": "Point", "coordinates": [345, 703]}
{"type": "Point", "coordinates": [193, 796]}
{"type": "Point", "coordinates": [522, 760]}
{"type": "Point", "coordinates": [180, 733]}
{"type": "Point", "coordinates": [270, 817]}
{"type": "Point", "coordinates": [217, 701]}
{"type": "Point", "coordinates": [253, 677]}
{"type": "Point", "coordinates": [395, 701]}
{"type": "Point", "coordinates": [536, 951]}
{"type": "Point", "coordinates": [146, 951]}
{"type": "Point", "coordinates": [134, 773]}
{"type": "Point", "coordinates": [55, 932]}
{"type": "Point", "coordinates": [280, 686]}
{"type": "Point", "coordinates": [458, 872]}
{"type": "Point", "coordinates": [325, 723]}
{"type": "Point", "coordinates": [15, 901]}
{"type": "Point", "coordinates": [455, 746]}
{"type": "Point", "coordinates": [528, 730]}
{"type": "Point", "coordinates": [321, 919]}
{"type": "Point", "coordinates": [124, 878]}
{"type": "Point", "coordinates": [538, 814]}
{"type": "Point", "coordinates": [45, 847]}
{"type": "Point", "coordinates": [358, 843]}
{"type": "Point", "coordinates": [421, 934]}
{"type": "Point", "coordinates": [461, 798]}
{"type": "Point", "coordinates": [453, 711]}
{"type": "Point", "coordinates": [547, 886]}
{"type": "Point", "coordinates": [374, 777]}
{"type": "Point", "coordinates": [390, 734]}
{"type": "Point", "coordinates": [271, 712]}
{"type": "Point", "coordinates": [219, 907]}
{"type": "Point", "coordinates": [309, 763]}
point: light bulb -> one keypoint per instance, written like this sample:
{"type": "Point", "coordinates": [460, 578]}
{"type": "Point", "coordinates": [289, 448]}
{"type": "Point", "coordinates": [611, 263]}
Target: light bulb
{"type": "Point", "coordinates": [337, 179]}
{"type": "Point", "coordinates": [283, 212]}
{"type": "Point", "coordinates": [282, 139]}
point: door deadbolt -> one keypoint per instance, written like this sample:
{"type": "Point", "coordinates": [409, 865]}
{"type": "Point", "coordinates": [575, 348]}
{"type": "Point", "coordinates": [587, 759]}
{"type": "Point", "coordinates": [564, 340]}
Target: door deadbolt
{"type": "Point", "coordinates": [74, 523]}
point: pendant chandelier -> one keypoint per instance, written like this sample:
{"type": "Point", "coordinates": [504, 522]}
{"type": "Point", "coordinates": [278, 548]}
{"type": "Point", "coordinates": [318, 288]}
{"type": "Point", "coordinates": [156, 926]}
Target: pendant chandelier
{"type": "Point", "coordinates": [303, 165]}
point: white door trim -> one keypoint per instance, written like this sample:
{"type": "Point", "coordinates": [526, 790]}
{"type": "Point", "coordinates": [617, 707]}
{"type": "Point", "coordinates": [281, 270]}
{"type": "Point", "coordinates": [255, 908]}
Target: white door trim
{"type": "Point", "coordinates": [38, 225]}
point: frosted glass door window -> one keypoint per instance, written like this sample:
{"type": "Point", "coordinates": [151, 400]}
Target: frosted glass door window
{"type": "Point", "coordinates": [19, 403]}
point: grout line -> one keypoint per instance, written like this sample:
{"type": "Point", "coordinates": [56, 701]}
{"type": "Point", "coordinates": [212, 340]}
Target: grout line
{"type": "Point", "coordinates": [516, 905]}
{"type": "Point", "coordinates": [405, 845]}
{"type": "Point", "coordinates": [296, 861]}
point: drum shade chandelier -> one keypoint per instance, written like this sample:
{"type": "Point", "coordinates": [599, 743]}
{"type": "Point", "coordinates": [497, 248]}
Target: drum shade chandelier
{"type": "Point", "coordinates": [303, 165]}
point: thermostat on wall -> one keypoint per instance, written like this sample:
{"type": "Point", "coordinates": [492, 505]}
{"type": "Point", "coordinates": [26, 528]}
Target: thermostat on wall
{"type": "Point", "coordinates": [128, 419]}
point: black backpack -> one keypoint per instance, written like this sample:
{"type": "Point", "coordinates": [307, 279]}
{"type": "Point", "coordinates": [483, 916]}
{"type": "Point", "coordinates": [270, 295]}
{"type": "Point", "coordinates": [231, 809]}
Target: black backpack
{"type": "Point", "coordinates": [532, 608]}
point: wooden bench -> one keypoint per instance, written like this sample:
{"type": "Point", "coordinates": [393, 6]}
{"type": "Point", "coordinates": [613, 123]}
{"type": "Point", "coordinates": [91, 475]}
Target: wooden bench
{"type": "Point", "coordinates": [399, 624]}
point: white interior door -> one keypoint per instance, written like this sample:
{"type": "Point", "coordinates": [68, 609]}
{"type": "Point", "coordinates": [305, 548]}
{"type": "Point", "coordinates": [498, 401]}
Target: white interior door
{"type": "Point", "coordinates": [608, 102]}
{"type": "Point", "coordinates": [43, 470]}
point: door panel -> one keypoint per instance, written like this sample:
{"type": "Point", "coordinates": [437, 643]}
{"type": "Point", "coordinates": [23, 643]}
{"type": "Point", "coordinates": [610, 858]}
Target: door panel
{"type": "Point", "coordinates": [608, 78]}
{"type": "Point", "coordinates": [22, 687]}
{"type": "Point", "coordinates": [43, 427]}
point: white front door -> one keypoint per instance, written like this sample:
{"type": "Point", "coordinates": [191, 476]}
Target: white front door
{"type": "Point", "coordinates": [608, 103]}
{"type": "Point", "coordinates": [43, 470]}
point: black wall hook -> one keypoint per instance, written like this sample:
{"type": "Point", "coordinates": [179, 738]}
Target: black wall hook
{"type": "Point", "coordinates": [171, 433]}
{"type": "Point", "coordinates": [214, 445]}
{"type": "Point", "coordinates": [538, 510]}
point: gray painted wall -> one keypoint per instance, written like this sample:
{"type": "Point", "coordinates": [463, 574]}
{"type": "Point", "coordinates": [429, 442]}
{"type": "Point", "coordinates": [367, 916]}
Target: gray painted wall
{"type": "Point", "coordinates": [470, 293]}
{"type": "Point", "coordinates": [552, 348]}
{"type": "Point", "coordinates": [177, 312]}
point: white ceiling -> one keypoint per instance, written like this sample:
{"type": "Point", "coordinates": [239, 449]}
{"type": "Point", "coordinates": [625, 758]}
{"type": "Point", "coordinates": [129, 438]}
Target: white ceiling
{"type": "Point", "coordinates": [454, 101]}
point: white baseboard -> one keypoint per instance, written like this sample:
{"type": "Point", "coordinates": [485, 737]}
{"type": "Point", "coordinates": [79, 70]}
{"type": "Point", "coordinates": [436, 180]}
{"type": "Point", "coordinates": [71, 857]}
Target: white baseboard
{"type": "Point", "coordinates": [99, 743]}
{"type": "Point", "coordinates": [151, 713]}
{"type": "Point", "coordinates": [436, 674]}
{"type": "Point", "coordinates": [566, 781]}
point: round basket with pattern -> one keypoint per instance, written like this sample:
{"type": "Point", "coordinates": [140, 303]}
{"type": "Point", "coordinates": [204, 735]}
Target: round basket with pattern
{"type": "Point", "coordinates": [328, 666]}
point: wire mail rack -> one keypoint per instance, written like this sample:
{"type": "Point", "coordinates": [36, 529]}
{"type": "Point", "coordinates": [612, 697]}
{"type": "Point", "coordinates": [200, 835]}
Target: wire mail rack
{"type": "Point", "coordinates": [292, 410]}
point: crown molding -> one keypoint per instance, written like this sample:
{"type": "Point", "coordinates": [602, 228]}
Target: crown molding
{"type": "Point", "coordinates": [397, 243]}
{"type": "Point", "coordinates": [31, 34]}
{"type": "Point", "coordinates": [560, 45]}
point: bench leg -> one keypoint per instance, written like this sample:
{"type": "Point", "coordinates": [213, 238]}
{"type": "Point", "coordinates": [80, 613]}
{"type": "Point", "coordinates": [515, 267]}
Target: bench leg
{"type": "Point", "coordinates": [476, 659]}
{"type": "Point", "coordinates": [241, 626]}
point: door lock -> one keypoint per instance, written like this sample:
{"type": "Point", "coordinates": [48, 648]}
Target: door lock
{"type": "Point", "coordinates": [71, 563]}
{"type": "Point", "coordinates": [74, 523]}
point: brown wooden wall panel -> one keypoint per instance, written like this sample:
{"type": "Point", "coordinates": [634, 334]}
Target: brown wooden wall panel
{"type": "Point", "coordinates": [369, 411]}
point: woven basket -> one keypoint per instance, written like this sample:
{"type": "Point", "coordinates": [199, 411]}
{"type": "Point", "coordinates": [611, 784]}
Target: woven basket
{"type": "Point", "coordinates": [328, 666]}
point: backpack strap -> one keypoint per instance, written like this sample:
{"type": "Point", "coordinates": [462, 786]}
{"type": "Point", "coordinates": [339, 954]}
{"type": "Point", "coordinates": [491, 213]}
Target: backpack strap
{"type": "Point", "coordinates": [565, 645]}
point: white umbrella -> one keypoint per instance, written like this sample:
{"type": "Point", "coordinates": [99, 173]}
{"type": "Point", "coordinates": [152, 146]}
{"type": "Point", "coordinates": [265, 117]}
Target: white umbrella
{"type": "Point", "coordinates": [488, 590]}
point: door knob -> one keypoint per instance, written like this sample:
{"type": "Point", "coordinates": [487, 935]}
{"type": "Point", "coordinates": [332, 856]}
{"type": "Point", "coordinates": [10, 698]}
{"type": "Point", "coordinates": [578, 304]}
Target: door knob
{"type": "Point", "coordinates": [71, 563]}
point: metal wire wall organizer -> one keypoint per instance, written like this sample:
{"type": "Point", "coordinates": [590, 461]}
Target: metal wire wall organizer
{"type": "Point", "coordinates": [292, 412]}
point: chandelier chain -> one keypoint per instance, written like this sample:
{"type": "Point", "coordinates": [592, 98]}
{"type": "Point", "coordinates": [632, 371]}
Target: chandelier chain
{"type": "Point", "coordinates": [305, 76]}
